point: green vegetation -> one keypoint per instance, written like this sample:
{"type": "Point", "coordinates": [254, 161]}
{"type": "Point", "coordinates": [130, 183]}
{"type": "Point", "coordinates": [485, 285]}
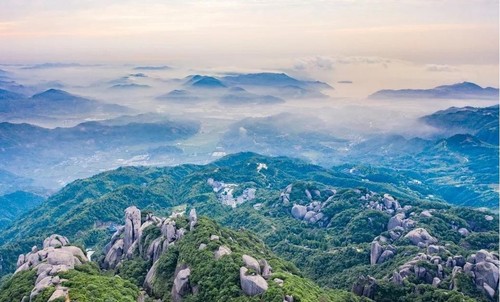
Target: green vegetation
{"type": "Point", "coordinates": [332, 253]}
{"type": "Point", "coordinates": [87, 284]}
{"type": "Point", "coordinates": [218, 280]}
{"type": "Point", "coordinates": [17, 286]}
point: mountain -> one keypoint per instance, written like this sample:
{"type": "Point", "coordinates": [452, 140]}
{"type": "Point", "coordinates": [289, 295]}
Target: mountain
{"type": "Point", "coordinates": [6, 95]}
{"type": "Point", "coordinates": [179, 96]}
{"type": "Point", "coordinates": [164, 67]}
{"type": "Point", "coordinates": [206, 82]}
{"type": "Point", "coordinates": [482, 122]}
{"type": "Point", "coordinates": [9, 182]}
{"type": "Point", "coordinates": [384, 242]}
{"type": "Point", "coordinates": [54, 65]}
{"type": "Point", "coordinates": [54, 102]}
{"type": "Point", "coordinates": [15, 204]}
{"type": "Point", "coordinates": [64, 154]}
{"type": "Point", "coordinates": [202, 262]}
{"type": "Point", "coordinates": [465, 90]}
{"type": "Point", "coordinates": [239, 96]}
{"type": "Point", "coordinates": [129, 86]}
{"type": "Point", "coordinates": [271, 79]}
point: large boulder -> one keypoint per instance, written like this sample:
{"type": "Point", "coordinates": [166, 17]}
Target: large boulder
{"type": "Point", "coordinates": [61, 257]}
{"type": "Point", "coordinates": [252, 284]}
{"type": "Point", "coordinates": [251, 263]}
{"type": "Point", "coordinates": [114, 255]}
{"type": "Point", "coordinates": [150, 277]}
{"type": "Point", "coordinates": [181, 284]}
{"type": "Point", "coordinates": [420, 235]}
{"type": "Point", "coordinates": [395, 221]}
{"type": "Point", "coordinates": [55, 241]}
{"type": "Point", "coordinates": [375, 252]}
{"type": "Point", "coordinates": [487, 273]}
{"type": "Point", "coordinates": [386, 255]}
{"type": "Point", "coordinates": [193, 219]}
{"type": "Point", "coordinates": [168, 230]}
{"type": "Point", "coordinates": [265, 268]}
{"type": "Point", "coordinates": [132, 227]}
{"type": "Point", "coordinates": [299, 211]}
{"type": "Point", "coordinates": [365, 286]}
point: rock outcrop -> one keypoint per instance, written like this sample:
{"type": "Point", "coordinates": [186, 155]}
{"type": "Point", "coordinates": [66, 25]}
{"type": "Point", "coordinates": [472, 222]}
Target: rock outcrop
{"type": "Point", "coordinates": [181, 285]}
{"type": "Point", "coordinates": [482, 267]}
{"type": "Point", "coordinates": [252, 284]}
{"type": "Point", "coordinates": [380, 253]}
{"type": "Point", "coordinates": [193, 219]}
{"type": "Point", "coordinates": [132, 227]}
{"type": "Point", "coordinates": [253, 275]}
{"type": "Point", "coordinates": [365, 286]}
{"type": "Point", "coordinates": [56, 256]}
{"type": "Point", "coordinates": [420, 236]}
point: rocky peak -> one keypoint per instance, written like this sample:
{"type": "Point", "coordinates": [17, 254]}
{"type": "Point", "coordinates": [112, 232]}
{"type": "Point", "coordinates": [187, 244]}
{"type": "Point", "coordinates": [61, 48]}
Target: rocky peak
{"type": "Point", "coordinates": [56, 256]}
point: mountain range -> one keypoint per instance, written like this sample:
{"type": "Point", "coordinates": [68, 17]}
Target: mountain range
{"type": "Point", "coordinates": [464, 90]}
{"type": "Point", "coordinates": [245, 89]}
{"type": "Point", "coordinates": [52, 102]}
{"type": "Point", "coordinates": [378, 241]}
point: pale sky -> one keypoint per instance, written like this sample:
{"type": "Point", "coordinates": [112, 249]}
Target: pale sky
{"type": "Point", "coordinates": [436, 35]}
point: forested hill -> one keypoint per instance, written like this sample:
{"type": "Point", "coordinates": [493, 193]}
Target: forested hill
{"type": "Point", "coordinates": [386, 242]}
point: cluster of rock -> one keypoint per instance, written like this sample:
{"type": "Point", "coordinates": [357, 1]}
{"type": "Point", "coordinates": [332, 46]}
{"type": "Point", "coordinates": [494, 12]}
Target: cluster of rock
{"type": "Point", "coordinates": [483, 267]}
{"type": "Point", "coordinates": [224, 193]}
{"type": "Point", "coordinates": [56, 256]}
{"type": "Point", "coordinates": [380, 251]}
{"type": "Point", "coordinates": [126, 241]}
{"type": "Point", "coordinates": [310, 212]}
{"type": "Point", "coordinates": [365, 286]}
{"type": "Point", "coordinates": [387, 203]}
{"type": "Point", "coordinates": [253, 275]}
{"type": "Point", "coordinates": [130, 240]}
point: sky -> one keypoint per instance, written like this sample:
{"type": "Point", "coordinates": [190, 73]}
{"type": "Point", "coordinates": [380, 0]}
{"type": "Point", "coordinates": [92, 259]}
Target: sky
{"type": "Point", "coordinates": [373, 42]}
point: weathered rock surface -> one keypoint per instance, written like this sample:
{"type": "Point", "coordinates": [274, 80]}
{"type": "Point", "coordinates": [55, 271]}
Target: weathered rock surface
{"type": "Point", "coordinates": [375, 252]}
{"type": "Point", "coordinates": [132, 227]}
{"type": "Point", "coordinates": [193, 219]}
{"type": "Point", "coordinates": [395, 221]}
{"type": "Point", "coordinates": [55, 241]}
{"type": "Point", "coordinates": [56, 256]}
{"type": "Point", "coordinates": [251, 263]}
{"type": "Point", "coordinates": [299, 211]}
{"type": "Point", "coordinates": [365, 287]}
{"type": "Point", "coordinates": [181, 284]}
{"type": "Point", "coordinates": [420, 235]}
{"type": "Point", "coordinates": [252, 284]}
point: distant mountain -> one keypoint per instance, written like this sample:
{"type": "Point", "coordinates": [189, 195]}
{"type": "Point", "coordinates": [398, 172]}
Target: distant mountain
{"type": "Point", "coordinates": [164, 67]}
{"type": "Point", "coordinates": [6, 95]}
{"type": "Point", "coordinates": [271, 79]}
{"type": "Point", "coordinates": [465, 90]}
{"type": "Point", "coordinates": [129, 86]}
{"type": "Point", "coordinates": [53, 65]}
{"type": "Point", "coordinates": [481, 122]}
{"type": "Point", "coordinates": [239, 96]}
{"type": "Point", "coordinates": [13, 205]}
{"type": "Point", "coordinates": [55, 156]}
{"type": "Point", "coordinates": [179, 96]}
{"type": "Point", "coordinates": [10, 182]}
{"type": "Point", "coordinates": [207, 82]}
{"type": "Point", "coordinates": [55, 102]}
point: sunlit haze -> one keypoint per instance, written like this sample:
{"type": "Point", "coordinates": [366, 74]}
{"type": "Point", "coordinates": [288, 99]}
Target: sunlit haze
{"type": "Point", "coordinates": [375, 44]}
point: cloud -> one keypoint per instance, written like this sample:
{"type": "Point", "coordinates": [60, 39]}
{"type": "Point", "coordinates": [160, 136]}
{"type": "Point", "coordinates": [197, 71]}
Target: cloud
{"type": "Point", "coordinates": [440, 68]}
{"type": "Point", "coordinates": [315, 63]}
{"type": "Point", "coordinates": [362, 60]}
